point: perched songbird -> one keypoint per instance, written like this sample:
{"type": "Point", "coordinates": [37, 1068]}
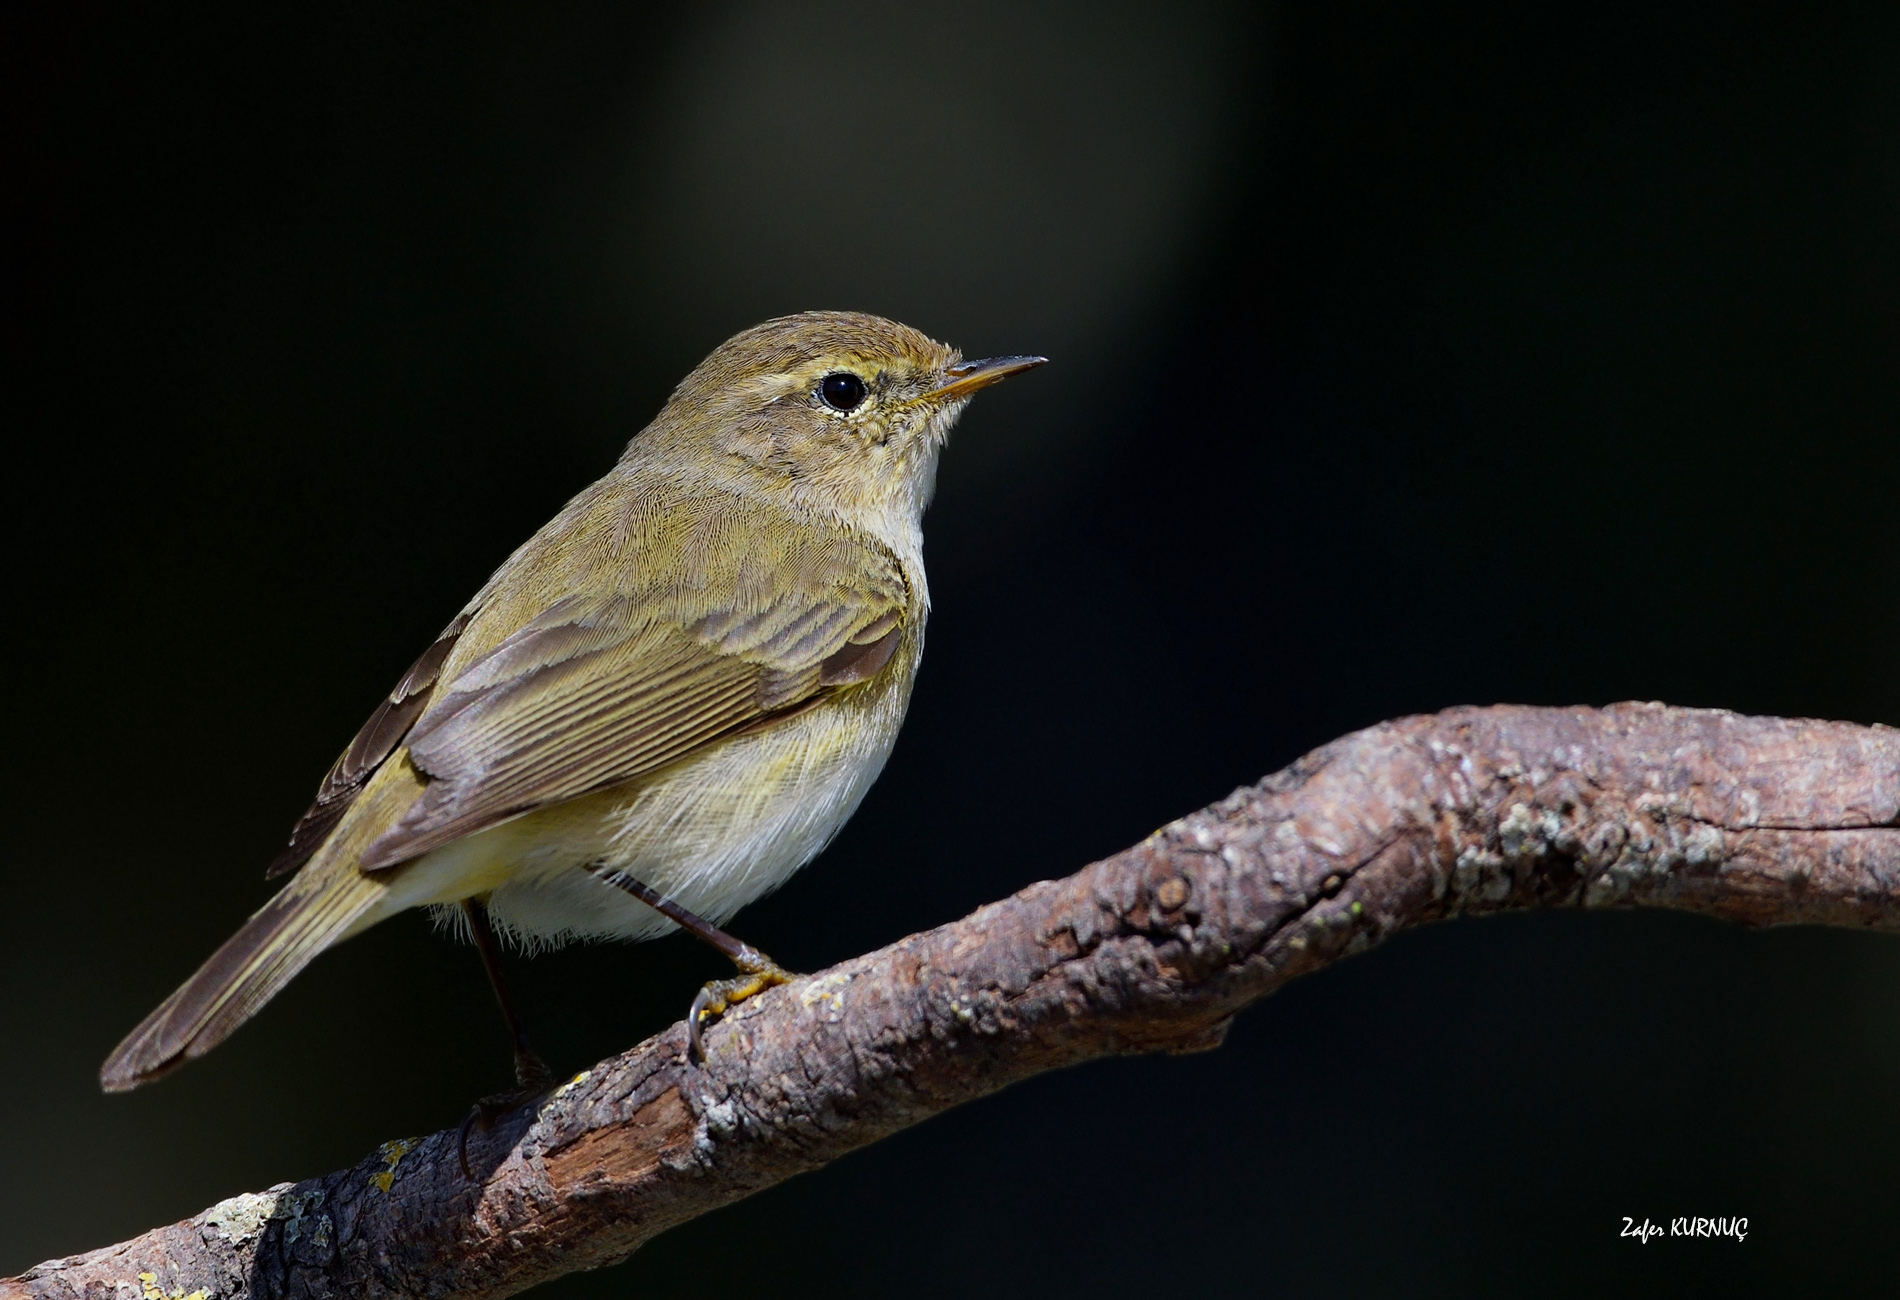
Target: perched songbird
{"type": "Point", "coordinates": [660, 707]}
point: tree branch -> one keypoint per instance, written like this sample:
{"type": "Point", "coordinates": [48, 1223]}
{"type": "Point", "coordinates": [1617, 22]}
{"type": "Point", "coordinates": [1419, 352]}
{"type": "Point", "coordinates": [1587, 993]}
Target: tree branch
{"type": "Point", "coordinates": [1760, 820]}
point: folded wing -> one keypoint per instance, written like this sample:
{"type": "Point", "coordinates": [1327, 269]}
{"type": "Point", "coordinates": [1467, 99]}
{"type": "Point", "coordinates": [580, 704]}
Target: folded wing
{"type": "Point", "coordinates": [593, 692]}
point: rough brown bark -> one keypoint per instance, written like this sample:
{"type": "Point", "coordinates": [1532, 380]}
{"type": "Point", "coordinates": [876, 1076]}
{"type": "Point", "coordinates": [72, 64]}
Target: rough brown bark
{"type": "Point", "coordinates": [1760, 820]}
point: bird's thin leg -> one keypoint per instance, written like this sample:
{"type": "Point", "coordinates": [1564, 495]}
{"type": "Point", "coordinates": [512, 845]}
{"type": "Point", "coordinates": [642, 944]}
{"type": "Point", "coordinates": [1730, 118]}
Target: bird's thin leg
{"type": "Point", "coordinates": [530, 1070]}
{"type": "Point", "coordinates": [757, 971]}
{"type": "Point", "coordinates": [532, 1075]}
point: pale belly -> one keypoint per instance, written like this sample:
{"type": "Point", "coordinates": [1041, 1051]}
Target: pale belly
{"type": "Point", "coordinates": [713, 832]}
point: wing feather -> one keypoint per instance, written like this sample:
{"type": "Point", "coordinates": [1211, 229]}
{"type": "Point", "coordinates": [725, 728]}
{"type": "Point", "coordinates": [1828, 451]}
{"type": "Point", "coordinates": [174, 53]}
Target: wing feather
{"type": "Point", "coordinates": [373, 744]}
{"type": "Point", "coordinates": [707, 625]}
{"type": "Point", "coordinates": [588, 694]}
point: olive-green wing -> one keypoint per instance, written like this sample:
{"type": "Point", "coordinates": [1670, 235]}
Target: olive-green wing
{"type": "Point", "coordinates": [590, 693]}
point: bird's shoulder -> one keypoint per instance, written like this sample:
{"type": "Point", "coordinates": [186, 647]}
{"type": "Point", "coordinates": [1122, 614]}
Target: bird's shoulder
{"type": "Point", "coordinates": [653, 551]}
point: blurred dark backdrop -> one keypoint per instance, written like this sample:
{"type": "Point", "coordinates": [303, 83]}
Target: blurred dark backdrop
{"type": "Point", "coordinates": [1406, 355]}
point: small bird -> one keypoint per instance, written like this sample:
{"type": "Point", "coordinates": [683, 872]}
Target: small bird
{"type": "Point", "coordinates": [660, 707]}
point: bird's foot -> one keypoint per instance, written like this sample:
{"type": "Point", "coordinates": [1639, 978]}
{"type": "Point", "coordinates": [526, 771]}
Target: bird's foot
{"type": "Point", "coordinates": [757, 974]}
{"type": "Point", "coordinates": [533, 1079]}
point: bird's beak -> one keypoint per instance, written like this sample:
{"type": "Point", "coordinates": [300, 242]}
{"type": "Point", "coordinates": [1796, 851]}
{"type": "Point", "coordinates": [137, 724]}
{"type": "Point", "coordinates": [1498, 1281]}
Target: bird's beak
{"type": "Point", "coordinates": [964, 378]}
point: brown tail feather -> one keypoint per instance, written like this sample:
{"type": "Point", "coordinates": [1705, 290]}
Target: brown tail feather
{"type": "Point", "coordinates": [242, 976]}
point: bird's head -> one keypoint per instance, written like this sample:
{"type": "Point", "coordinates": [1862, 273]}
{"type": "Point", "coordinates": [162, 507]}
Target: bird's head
{"type": "Point", "coordinates": [840, 408]}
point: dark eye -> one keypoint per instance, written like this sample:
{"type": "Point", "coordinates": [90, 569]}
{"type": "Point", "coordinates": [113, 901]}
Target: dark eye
{"type": "Point", "coordinates": [841, 391]}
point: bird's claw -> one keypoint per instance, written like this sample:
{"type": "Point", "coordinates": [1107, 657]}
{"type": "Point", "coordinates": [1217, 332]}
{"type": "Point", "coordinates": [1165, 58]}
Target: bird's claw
{"type": "Point", "coordinates": [758, 973]}
{"type": "Point", "coordinates": [533, 1079]}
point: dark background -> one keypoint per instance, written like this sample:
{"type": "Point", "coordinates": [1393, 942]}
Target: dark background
{"type": "Point", "coordinates": [1405, 356]}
